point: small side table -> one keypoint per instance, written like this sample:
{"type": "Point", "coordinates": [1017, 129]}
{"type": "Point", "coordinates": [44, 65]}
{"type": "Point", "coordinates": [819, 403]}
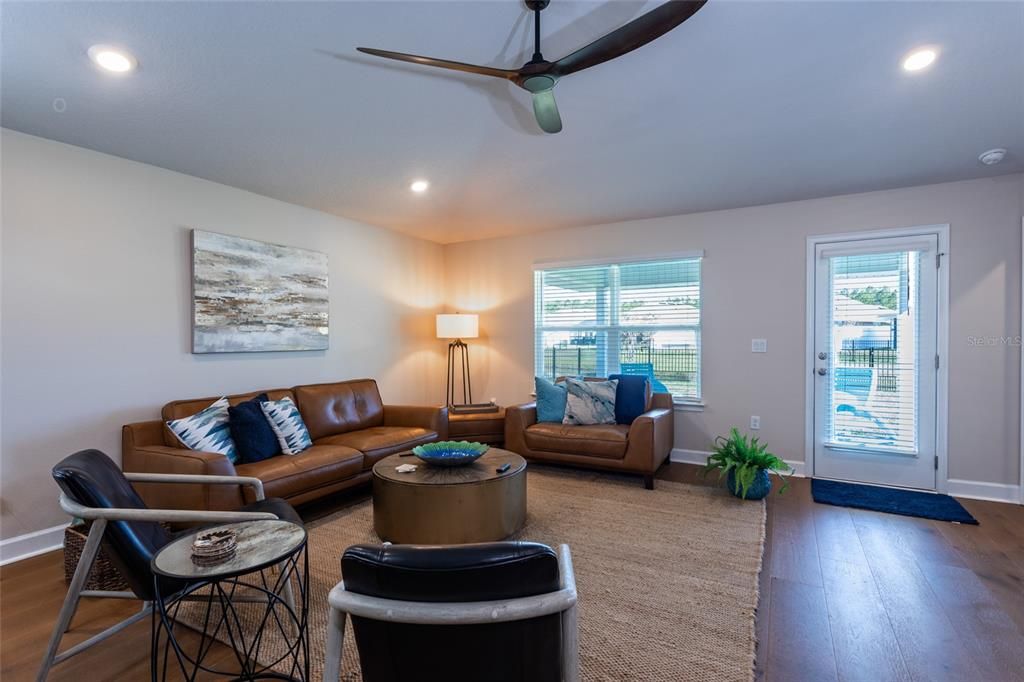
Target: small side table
{"type": "Point", "coordinates": [483, 427]}
{"type": "Point", "coordinates": [270, 555]}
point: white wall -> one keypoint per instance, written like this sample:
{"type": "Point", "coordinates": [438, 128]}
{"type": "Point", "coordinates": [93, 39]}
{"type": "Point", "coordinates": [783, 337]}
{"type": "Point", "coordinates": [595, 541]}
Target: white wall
{"type": "Point", "coordinates": [96, 307]}
{"type": "Point", "coordinates": [754, 287]}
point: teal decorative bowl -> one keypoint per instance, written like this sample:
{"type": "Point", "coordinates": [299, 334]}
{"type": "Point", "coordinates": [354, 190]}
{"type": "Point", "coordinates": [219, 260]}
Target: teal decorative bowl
{"type": "Point", "coordinates": [450, 453]}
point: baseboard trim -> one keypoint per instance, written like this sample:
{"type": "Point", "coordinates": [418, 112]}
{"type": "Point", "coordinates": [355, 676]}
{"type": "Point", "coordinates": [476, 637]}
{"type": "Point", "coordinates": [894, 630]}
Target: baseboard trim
{"type": "Point", "coordinates": [31, 544]}
{"type": "Point", "coordinates": [685, 456]}
{"type": "Point", "coordinates": [982, 490]}
{"type": "Point", "coordinates": [799, 468]}
{"type": "Point", "coordinates": [688, 456]}
{"type": "Point", "coordinates": [974, 490]}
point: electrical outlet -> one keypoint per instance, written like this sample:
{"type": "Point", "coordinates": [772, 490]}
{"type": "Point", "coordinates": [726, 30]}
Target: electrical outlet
{"type": "Point", "coordinates": [755, 423]}
{"type": "Point", "coordinates": [759, 345]}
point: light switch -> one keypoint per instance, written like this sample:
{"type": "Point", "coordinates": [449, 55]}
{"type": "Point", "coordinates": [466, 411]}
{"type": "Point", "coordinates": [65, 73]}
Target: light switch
{"type": "Point", "coordinates": [759, 345]}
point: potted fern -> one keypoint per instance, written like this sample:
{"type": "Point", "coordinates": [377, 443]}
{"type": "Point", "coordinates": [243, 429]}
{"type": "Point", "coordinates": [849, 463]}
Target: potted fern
{"type": "Point", "coordinates": [746, 464]}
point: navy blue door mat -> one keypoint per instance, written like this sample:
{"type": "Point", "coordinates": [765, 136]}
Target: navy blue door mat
{"type": "Point", "coordinates": [890, 501]}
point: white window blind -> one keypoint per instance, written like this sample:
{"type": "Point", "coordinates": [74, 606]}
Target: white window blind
{"type": "Point", "coordinates": [630, 318]}
{"type": "Point", "coordinates": [874, 321]}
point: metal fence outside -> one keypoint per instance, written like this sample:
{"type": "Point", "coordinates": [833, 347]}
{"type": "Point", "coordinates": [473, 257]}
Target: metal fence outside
{"type": "Point", "coordinates": [676, 368]}
{"type": "Point", "coordinates": [883, 361]}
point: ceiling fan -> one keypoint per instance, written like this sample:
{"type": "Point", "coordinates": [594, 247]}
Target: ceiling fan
{"type": "Point", "coordinates": [539, 76]}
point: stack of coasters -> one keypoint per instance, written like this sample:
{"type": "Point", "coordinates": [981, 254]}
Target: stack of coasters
{"type": "Point", "coordinates": [213, 547]}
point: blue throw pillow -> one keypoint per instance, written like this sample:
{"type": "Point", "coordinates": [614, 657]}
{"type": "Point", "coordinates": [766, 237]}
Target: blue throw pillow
{"type": "Point", "coordinates": [550, 400]}
{"type": "Point", "coordinates": [254, 439]}
{"type": "Point", "coordinates": [630, 397]}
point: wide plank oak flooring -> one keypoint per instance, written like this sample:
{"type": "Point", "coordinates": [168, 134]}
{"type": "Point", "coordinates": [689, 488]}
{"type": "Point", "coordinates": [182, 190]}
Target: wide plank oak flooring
{"type": "Point", "coordinates": [845, 595]}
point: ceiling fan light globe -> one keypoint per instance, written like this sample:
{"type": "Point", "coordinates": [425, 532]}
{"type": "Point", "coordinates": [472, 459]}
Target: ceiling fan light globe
{"type": "Point", "coordinates": [545, 110]}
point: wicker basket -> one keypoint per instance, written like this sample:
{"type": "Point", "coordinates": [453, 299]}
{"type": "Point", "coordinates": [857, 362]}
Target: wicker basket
{"type": "Point", "coordinates": [103, 575]}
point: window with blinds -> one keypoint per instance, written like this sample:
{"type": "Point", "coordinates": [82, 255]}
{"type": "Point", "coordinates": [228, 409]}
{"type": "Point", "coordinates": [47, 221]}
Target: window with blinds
{"type": "Point", "coordinates": [630, 318]}
{"type": "Point", "coordinates": [874, 324]}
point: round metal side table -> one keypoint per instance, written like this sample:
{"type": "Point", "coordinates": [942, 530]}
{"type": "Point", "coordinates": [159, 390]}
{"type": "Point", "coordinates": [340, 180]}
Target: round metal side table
{"type": "Point", "coordinates": [242, 602]}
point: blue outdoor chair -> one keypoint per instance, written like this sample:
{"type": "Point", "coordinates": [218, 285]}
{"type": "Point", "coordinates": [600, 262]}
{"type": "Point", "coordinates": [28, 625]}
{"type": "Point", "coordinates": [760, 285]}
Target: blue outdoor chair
{"type": "Point", "coordinates": [644, 369]}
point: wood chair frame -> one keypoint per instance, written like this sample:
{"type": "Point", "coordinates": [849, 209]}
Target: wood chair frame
{"type": "Point", "coordinates": [563, 601]}
{"type": "Point", "coordinates": [100, 517]}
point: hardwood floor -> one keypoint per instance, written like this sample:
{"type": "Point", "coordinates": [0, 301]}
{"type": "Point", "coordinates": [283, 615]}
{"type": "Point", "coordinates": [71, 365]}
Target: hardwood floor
{"type": "Point", "coordinates": [848, 594]}
{"type": "Point", "coordinates": [845, 595]}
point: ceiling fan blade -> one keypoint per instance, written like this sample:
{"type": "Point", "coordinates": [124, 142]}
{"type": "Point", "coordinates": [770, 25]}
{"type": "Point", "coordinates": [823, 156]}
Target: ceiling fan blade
{"type": "Point", "coordinates": [546, 111]}
{"type": "Point", "coordinates": [636, 33]}
{"type": "Point", "coordinates": [441, 63]}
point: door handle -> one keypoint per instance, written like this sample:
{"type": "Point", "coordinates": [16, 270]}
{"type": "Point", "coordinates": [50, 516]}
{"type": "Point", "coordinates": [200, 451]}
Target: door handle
{"type": "Point", "coordinates": [822, 371]}
{"type": "Point", "coordinates": [822, 355]}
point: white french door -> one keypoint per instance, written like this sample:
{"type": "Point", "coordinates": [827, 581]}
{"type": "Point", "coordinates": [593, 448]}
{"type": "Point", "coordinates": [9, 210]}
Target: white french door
{"type": "Point", "coordinates": [875, 360]}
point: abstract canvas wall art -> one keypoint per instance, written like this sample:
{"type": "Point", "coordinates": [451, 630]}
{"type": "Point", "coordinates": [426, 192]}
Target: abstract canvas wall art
{"type": "Point", "coordinates": [251, 296]}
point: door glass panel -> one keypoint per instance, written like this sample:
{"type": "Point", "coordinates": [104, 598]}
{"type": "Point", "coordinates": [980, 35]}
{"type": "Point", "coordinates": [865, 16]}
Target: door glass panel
{"type": "Point", "coordinates": [874, 339]}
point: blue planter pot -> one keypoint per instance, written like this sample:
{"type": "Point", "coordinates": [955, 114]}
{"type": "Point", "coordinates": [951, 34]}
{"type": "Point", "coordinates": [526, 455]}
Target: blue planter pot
{"type": "Point", "coordinates": [761, 486]}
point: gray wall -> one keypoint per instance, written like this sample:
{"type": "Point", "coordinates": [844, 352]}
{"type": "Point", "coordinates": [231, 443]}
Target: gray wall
{"type": "Point", "coordinates": [754, 287]}
{"type": "Point", "coordinates": [96, 307]}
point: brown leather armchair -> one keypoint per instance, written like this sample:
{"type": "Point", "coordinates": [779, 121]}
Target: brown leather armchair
{"type": "Point", "coordinates": [351, 427]}
{"type": "Point", "coordinates": [639, 448]}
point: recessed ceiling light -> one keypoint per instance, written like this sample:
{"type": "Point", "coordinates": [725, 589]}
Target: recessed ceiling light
{"type": "Point", "coordinates": [419, 186]}
{"type": "Point", "coordinates": [112, 59]}
{"type": "Point", "coordinates": [992, 156]}
{"type": "Point", "coordinates": [919, 59]}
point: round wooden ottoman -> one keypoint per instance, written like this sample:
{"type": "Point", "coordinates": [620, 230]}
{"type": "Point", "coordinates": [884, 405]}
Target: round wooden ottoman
{"type": "Point", "coordinates": [449, 505]}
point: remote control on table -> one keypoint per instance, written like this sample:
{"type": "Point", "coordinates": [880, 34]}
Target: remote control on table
{"type": "Point", "coordinates": [504, 467]}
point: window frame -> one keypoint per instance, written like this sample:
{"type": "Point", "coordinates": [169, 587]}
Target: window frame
{"type": "Point", "coordinates": [614, 329]}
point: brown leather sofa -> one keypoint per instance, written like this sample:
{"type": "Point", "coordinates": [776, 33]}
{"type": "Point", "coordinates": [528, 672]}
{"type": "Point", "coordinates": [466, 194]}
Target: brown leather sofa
{"type": "Point", "coordinates": [351, 428]}
{"type": "Point", "coordinates": [639, 448]}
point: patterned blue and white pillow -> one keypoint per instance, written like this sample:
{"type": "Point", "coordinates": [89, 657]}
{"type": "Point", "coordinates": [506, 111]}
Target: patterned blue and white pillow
{"type": "Point", "coordinates": [288, 426]}
{"type": "Point", "coordinates": [590, 402]}
{"type": "Point", "coordinates": [206, 430]}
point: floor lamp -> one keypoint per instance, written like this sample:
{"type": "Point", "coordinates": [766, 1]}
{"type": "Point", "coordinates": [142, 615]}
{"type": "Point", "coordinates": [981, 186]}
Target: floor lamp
{"type": "Point", "coordinates": [458, 327]}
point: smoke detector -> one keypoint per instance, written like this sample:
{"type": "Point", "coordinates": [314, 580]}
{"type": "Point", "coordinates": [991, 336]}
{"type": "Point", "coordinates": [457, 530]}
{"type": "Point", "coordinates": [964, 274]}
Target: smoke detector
{"type": "Point", "coordinates": [992, 156]}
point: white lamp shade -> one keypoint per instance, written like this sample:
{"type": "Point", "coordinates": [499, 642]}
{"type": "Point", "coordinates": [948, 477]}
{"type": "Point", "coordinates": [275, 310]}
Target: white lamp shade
{"type": "Point", "coordinates": [458, 326]}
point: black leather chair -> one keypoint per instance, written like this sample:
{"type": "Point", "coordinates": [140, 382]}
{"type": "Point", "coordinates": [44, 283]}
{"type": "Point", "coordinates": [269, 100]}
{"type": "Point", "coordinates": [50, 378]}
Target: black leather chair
{"type": "Point", "coordinates": [493, 611]}
{"type": "Point", "coordinates": [95, 489]}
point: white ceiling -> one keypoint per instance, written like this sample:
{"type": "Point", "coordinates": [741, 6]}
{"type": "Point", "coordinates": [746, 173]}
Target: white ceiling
{"type": "Point", "coordinates": [747, 103]}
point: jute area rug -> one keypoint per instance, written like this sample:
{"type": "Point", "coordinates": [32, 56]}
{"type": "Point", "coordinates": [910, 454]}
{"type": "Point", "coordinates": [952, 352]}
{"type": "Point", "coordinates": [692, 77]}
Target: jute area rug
{"type": "Point", "coordinates": [667, 579]}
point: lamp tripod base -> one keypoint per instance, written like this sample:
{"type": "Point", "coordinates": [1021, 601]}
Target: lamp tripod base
{"type": "Point", "coordinates": [458, 346]}
{"type": "Point", "coordinates": [467, 406]}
